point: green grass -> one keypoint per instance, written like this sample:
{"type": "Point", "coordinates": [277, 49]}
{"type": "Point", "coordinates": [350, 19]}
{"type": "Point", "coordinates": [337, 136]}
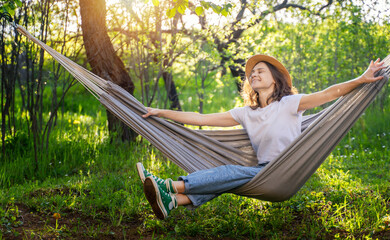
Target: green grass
{"type": "Point", "coordinates": [93, 184]}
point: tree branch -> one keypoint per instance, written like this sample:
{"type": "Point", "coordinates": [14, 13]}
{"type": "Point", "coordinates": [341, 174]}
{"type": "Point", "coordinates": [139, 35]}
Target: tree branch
{"type": "Point", "coordinates": [240, 14]}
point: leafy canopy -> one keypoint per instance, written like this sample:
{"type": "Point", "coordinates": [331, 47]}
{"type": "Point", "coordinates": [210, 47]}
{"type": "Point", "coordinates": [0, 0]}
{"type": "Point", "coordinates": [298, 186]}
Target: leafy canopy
{"type": "Point", "coordinates": [179, 6]}
{"type": "Point", "coordinates": [9, 6]}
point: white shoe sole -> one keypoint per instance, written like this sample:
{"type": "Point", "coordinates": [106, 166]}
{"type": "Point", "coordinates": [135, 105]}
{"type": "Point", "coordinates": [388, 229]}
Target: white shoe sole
{"type": "Point", "coordinates": [141, 169]}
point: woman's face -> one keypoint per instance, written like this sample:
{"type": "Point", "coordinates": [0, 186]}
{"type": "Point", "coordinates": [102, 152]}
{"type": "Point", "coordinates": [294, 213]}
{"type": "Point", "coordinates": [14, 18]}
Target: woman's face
{"type": "Point", "coordinates": [261, 78]}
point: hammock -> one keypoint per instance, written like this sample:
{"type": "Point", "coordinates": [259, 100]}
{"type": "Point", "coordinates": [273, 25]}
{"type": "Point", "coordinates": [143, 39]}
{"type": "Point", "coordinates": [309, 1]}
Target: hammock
{"type": "Point", "coordinates": [194, 150]}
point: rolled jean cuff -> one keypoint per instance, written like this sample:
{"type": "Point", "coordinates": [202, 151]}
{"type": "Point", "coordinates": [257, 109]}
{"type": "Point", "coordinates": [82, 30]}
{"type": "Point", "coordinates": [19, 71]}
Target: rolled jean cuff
{"type": "Point", "coordinates": [186, 184]}
{"type": "Point", "coordinates": [198, 200]}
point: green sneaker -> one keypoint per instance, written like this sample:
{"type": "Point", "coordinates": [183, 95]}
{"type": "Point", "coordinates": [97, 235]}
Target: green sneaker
{"type": "Point", "coordinates": [142, 173]}
{"type": "Point", "coordinates": [161, 202]}
{"type": "Point", "coordinates": [166, 185]}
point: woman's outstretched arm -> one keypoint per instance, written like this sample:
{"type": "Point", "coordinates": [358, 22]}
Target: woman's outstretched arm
{"type": "Point", "coordinates": [214, 119]}
{"type": "Point", "coordinates": [333, 92]}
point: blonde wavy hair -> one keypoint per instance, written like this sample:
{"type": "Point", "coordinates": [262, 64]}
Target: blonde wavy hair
{"type": "Point", "coordinates": [251, 98]}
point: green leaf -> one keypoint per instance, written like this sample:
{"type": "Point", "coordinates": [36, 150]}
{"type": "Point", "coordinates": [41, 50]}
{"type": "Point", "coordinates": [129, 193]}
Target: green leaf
{"type": "Point", "coordinates": [205, 5]}
{"type": "Point", "coordinates": [171, 12]}
{"type": "Point", "coordinates": [217, 9]}
{"type": "Point", "coordinates": [8, 9]}
{"type": "Point", "coordinates": [224, 12]}
{"type": "Point", "coordinates": [181, 9]}
{"type": "Point", "coordinates": [156, 2]}
{"type": "Point", "coordinates": [228, 6]}
{"type": "Point", "coordinates": [199, 11]}
{"type": "Point", "coordinates": [181, 6]}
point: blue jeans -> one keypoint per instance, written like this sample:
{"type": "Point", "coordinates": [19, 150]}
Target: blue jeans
{"type": "Point", "coordinates": [204, 185]}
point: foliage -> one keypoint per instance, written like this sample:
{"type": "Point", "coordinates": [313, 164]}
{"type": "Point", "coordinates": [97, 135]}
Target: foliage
{"type": "Point", "coordinates": [348, 197]}
{"type": "Point", "coordinates": [180, 6]}
{"type": "Point", "coordinates": [23, 67]}
{"type": "Point", "coordinates": [9, 6]}
{"type": "Point", "coordinates": [320, 53]}
{"type": "Point", "coordinates": [9, 217]}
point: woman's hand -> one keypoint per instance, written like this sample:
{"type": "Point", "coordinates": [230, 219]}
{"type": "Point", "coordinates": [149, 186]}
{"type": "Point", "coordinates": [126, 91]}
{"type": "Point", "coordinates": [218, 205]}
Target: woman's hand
{"type": "Point", "coordinates": [152, 112]}
{"type": "Point", "coordinates": [333, 92]}
{"type": "Point", "coordinates": [369, 75]}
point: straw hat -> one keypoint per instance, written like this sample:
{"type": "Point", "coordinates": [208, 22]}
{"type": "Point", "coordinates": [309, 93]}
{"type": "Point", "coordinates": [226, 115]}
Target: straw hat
{"type": "Point", "coordinates": [252, 61]}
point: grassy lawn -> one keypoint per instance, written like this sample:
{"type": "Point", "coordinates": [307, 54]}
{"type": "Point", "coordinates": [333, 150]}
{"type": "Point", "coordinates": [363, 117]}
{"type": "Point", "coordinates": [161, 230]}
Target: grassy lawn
{"type": "Point", "coordinates": [87, 188]}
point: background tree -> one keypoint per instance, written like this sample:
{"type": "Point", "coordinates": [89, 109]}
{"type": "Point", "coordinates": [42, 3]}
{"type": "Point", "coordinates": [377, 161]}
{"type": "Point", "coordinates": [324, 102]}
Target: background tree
{"type": "Point", "coordinates": [25, 75]}
{"type": "Point", "coordinates": [247, 15]}
{"type": "Point", "coordinates": [103, 59]}
{"type": "Point", "coordinates": [153, 43]}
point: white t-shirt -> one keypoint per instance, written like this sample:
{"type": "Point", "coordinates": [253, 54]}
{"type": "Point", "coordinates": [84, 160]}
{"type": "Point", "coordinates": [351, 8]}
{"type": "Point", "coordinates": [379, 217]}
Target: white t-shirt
{"type": "Point", "coordinates": [273, 128]}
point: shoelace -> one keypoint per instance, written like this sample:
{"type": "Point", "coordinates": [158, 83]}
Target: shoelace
{"type": "Point", "coordinates": [173, 203]}
{"type": "Point", "coordinates": [160, 181]}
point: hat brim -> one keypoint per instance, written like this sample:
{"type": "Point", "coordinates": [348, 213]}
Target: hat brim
{"type": "Point", "coordinates": [252, 61]}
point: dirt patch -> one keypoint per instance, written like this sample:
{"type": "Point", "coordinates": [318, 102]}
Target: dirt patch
{"type": "Point", "coordinates": [75, 225]}
{"type": "Point", "coordinates": [71, 225]}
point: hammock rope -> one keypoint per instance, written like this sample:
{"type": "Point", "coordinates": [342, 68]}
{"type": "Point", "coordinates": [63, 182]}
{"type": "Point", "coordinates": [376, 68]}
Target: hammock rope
{"type": "Point", "coordinates": [194, 150]}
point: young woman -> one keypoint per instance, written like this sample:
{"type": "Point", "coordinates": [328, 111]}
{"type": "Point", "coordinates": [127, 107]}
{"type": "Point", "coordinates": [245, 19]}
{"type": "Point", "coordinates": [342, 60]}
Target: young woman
{"type": "Point", "coordinates": [272, 118]}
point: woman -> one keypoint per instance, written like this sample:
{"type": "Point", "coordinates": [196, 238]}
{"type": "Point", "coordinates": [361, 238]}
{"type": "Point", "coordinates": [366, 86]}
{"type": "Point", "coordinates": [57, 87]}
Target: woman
{"type": "Point", "coordinates": [272, 117]}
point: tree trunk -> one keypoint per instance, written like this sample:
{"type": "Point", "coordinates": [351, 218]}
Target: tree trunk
{"type": "Point", "coordinates": [103, 59]}
{"type": "Point", "coordinates": [167, 73]}
{"type": "Point", "coordinates": [171, 89]}
{"type": "Point", "coordinates": [238, 72]}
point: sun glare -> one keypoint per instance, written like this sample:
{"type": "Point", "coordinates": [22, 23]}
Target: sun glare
{"type": "Point", "coordinates": [190, 20]}
{"type": "Point", "coordinates": [110, 2]}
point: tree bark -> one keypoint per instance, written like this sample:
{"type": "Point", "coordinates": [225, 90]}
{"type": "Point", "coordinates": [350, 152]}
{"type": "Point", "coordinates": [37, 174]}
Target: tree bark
{"type": "Point", "coordinates": [170, 86]}
{"type": "Point", "coordinates": [171, 91]}
{"type": "Point", "coordinates": [103, 59]}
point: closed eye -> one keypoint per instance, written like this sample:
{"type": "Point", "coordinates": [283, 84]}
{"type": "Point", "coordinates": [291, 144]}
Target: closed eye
{"type": "Point", "coordinates": [258, 71]}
